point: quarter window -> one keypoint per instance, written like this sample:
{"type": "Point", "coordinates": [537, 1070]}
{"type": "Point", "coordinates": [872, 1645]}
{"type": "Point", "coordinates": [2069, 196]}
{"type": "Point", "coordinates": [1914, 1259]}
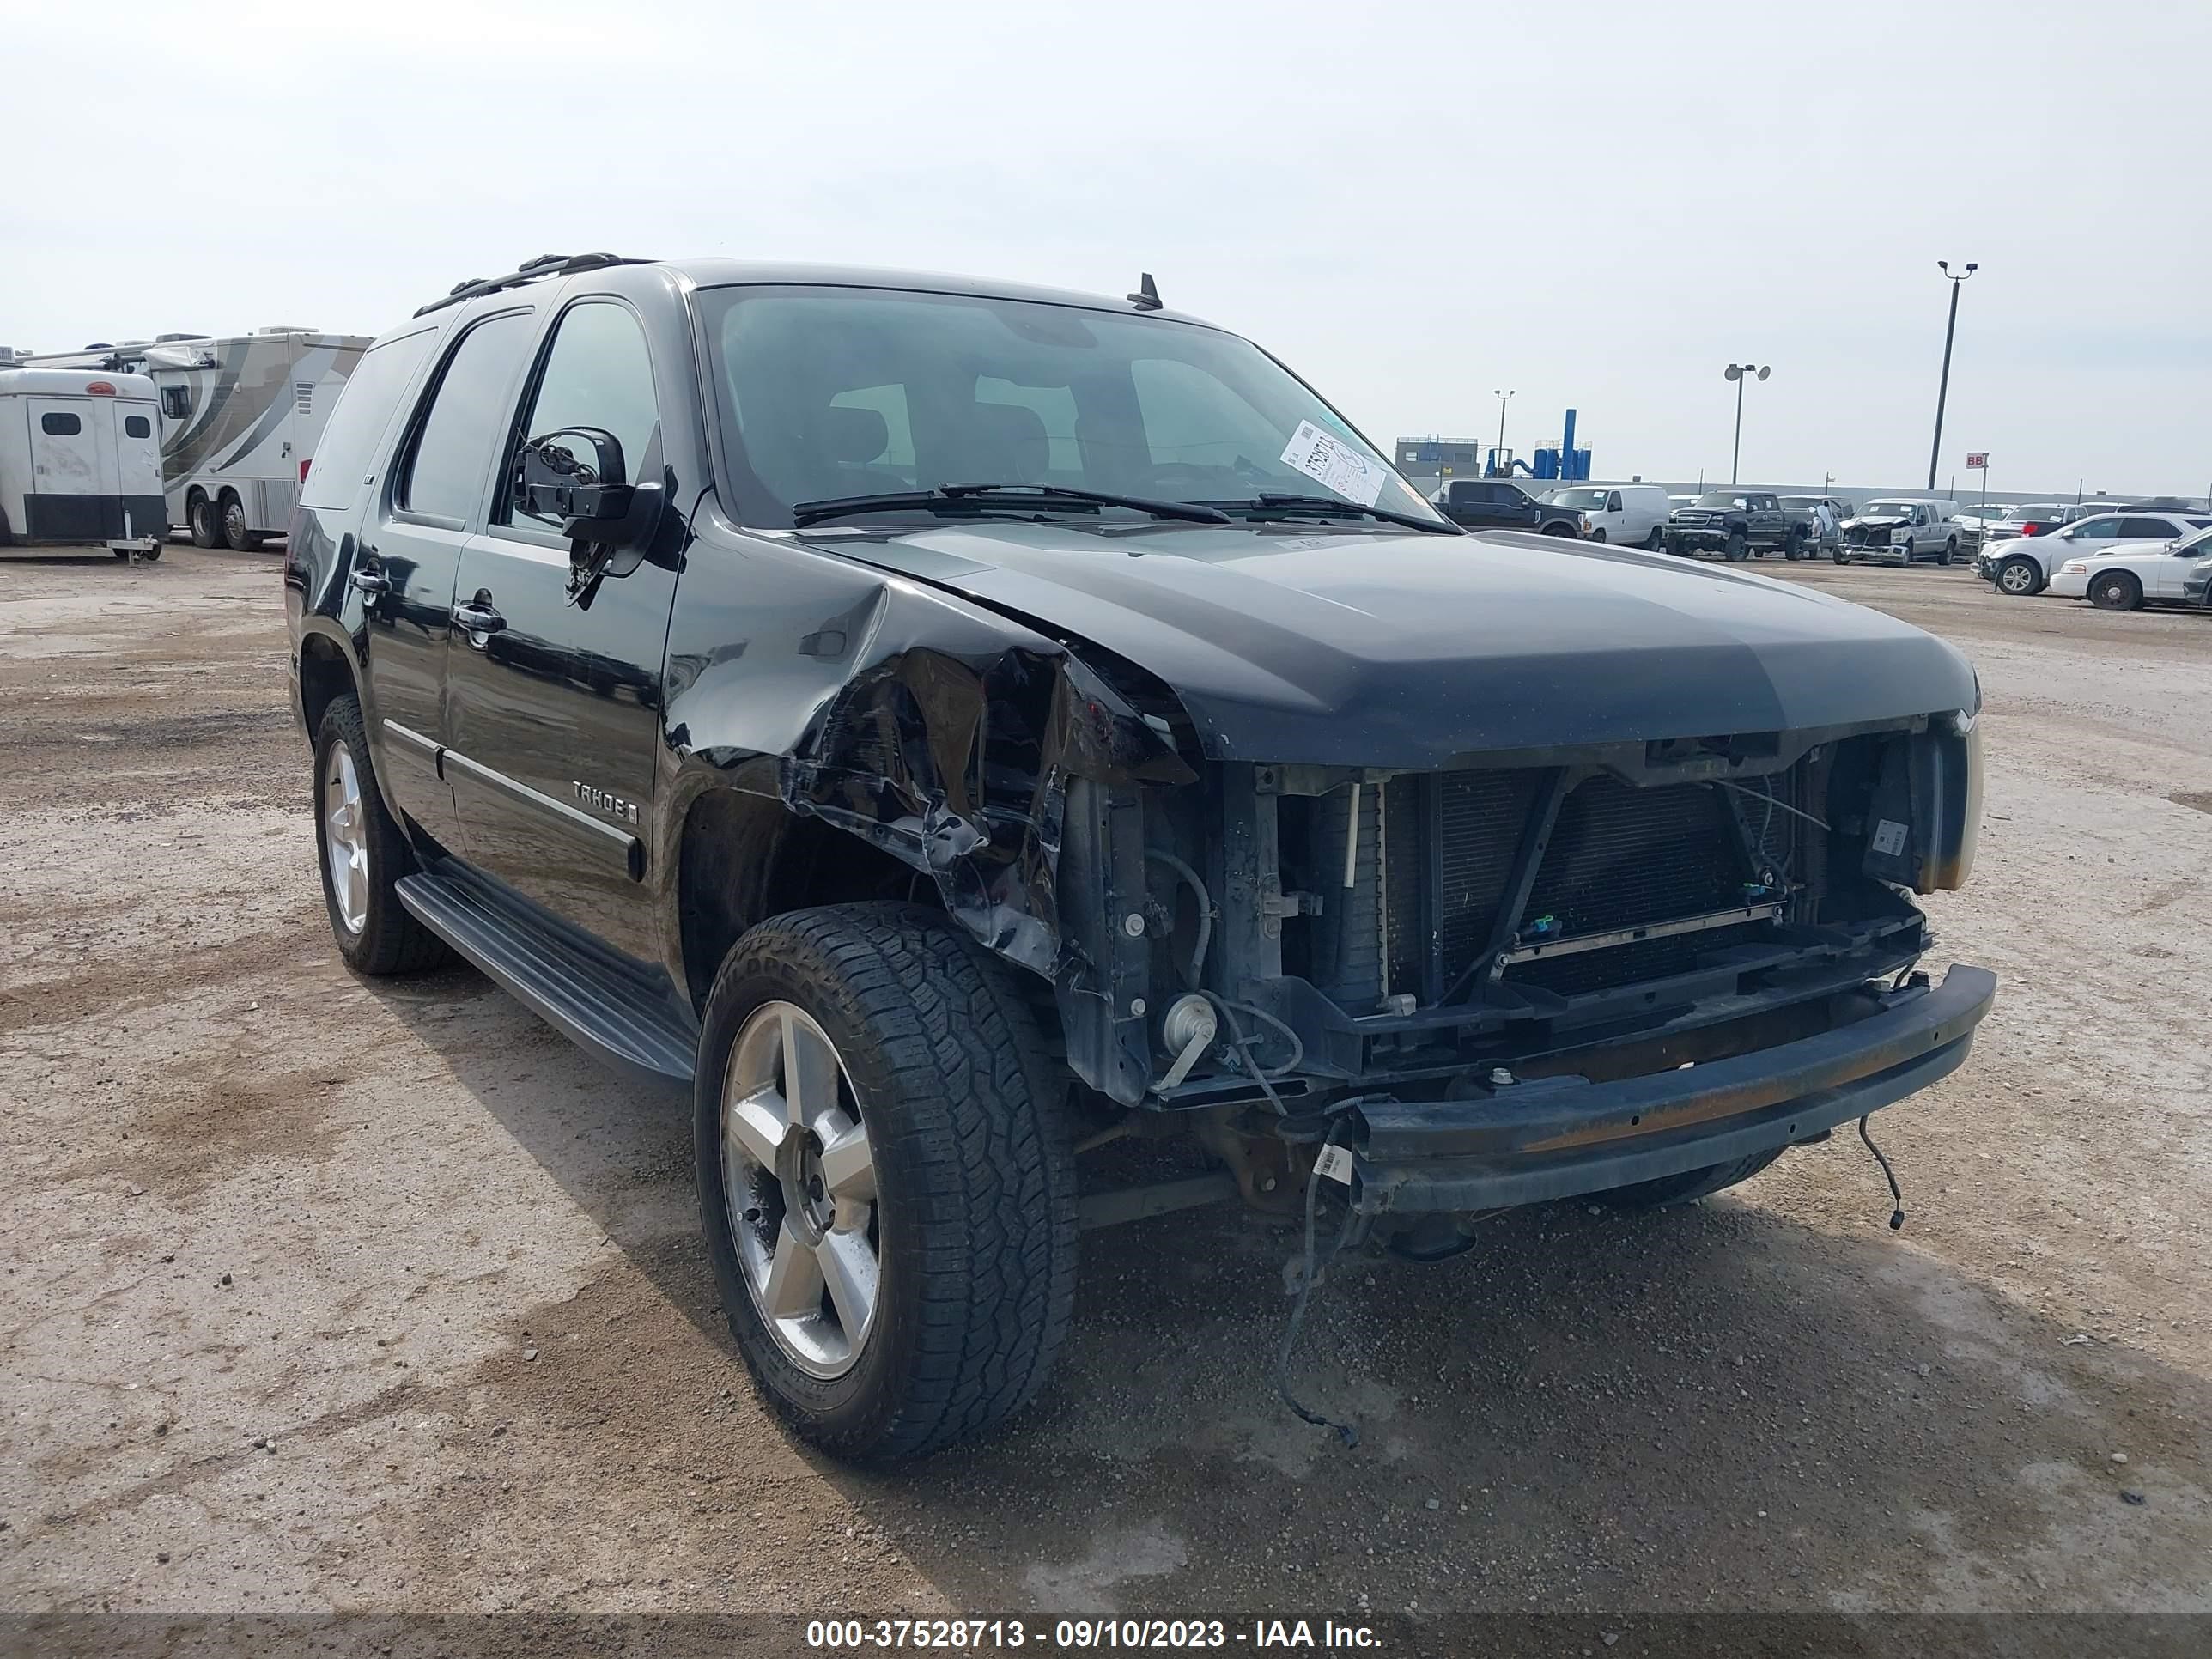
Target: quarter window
{"type": "Point", "coordinates": [598, 374]}
{"type": "Point", "coordinates": [453, 452]}
{"type": "Point", "coordinates": [372, 392]}
{"type": "Point", "coordinates": [60, 426]}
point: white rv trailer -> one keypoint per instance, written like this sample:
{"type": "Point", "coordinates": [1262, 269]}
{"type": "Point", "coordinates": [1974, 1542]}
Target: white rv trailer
{"type": "Point", "coordinates": [80, 461]}
{"type": "Point", "coordinates": [241, 416]}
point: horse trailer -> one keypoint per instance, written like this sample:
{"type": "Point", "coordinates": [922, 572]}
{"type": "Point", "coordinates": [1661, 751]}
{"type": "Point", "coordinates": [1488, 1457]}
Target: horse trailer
{"type": "Point", "coordinates": [80, 461]}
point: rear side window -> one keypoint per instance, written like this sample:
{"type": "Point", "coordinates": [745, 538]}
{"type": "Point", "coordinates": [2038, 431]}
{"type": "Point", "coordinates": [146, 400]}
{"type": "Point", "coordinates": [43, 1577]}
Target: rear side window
{"type": "Point", "coordinates": [2133, 530]}
{"type": "Point", "coordinates": [137, 426]}
{"type": "Point", "coordinates": [346, 451]}
{"type": "Point", "coordinates": [60, 426]}
{"type": "Point", "coordinates": [452, 459]}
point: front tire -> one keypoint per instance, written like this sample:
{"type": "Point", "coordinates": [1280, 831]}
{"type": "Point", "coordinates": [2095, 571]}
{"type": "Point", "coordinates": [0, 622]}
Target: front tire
{"type": "Point", "coordinates": [1943, 559]}
{"type": "Point", "coordinates": [1668, 1190]}
{"type": "Point", "coordinates": [1557, 529]}
{"type": "Point", "coordinates": [1739, 547]}
{"type": "Point", "coordinates": [885, 1183]}
{"type": "Point", "coordinates": [2116, 590]}
{"type": "Point", "coordinates": [2018, 578]}
{"type": "Point", "coordinates": [363, 854]}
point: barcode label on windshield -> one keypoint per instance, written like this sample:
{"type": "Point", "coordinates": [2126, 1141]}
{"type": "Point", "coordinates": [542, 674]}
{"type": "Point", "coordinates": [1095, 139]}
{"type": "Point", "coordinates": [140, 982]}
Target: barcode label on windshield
{"type": "Point", "coordinates": [1320, 455]}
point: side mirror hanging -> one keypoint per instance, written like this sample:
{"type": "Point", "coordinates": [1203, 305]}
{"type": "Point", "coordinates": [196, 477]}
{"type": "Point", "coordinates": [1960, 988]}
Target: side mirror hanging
{"type": "Point", "coordinates": [574, 477]}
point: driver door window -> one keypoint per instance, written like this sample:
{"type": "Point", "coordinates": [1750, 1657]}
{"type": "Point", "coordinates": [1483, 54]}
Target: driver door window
{"type": "Point", "coordinates": [598, 374]}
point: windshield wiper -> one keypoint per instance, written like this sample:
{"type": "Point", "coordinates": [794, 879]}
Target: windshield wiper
{"type": "Point", "coordinates": [999, 494]}
{"type": "Point", "coordinates": [1272, 505]}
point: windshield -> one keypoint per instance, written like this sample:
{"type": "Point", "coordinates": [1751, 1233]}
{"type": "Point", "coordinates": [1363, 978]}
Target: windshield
{"type": "Point", "coordinates": [833, 392]}
{"type": "Point", "coordinates": [1720, 498]}
{"type": "Point", "coordinates": [1586, 501]}
{"type": "Point", "coordinates": [1890, 509]}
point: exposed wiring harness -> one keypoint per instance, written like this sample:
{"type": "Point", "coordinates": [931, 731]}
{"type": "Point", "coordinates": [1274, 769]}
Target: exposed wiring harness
{"type": "Point", "coordinates": [1205, 911]}
{"type": "Point", "coordinates": [1896, 1196]}
{"type": "Point", "coordinates": [1242, 1045]}
{"type": "Point", "coordinates": [1345, 1432]}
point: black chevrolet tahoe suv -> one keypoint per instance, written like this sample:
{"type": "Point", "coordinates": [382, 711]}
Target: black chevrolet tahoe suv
{"type": "Point", "coordinates": [953, 727]}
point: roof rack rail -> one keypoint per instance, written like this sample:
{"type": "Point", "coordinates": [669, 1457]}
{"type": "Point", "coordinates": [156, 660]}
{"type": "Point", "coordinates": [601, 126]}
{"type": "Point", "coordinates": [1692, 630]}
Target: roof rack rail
{"type": "Point", "coordinates": [545, 265]}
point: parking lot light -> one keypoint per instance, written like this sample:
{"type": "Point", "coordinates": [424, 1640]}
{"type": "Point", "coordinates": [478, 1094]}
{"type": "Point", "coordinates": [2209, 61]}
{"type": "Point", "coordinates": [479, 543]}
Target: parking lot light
{"type": "Point", "coordinates": [1943, 386]}
{"type": "Point", "coordinates": [1740, 372]}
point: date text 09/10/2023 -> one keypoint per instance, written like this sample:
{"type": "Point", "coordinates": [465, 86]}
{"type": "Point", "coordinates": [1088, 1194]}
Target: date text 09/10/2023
{"type": "Point", "coordinates": [1075, 1635]}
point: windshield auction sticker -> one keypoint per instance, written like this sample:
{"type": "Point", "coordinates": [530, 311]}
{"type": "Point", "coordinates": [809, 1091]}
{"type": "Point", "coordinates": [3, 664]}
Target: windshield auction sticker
{"type": "Point", "coordinates": [1319, 454]}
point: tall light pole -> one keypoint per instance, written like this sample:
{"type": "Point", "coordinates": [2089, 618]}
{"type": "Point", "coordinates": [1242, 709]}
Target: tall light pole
{"type": "Point", "coordinates": [1943, 386]}
{"type": "Point", "coordinates": [1503, 399]}
{"type": "Point", "coordinates": [1740, 372]}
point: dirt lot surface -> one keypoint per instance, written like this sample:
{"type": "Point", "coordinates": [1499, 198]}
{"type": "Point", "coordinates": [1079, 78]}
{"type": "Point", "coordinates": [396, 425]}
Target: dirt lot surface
{"type": "Point", "coordinates": [324, 1294]}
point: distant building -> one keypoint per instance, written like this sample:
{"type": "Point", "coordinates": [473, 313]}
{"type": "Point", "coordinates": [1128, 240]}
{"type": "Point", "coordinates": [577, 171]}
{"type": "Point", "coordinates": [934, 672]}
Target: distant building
{"type": "Point", "coordinates": [1430, 456]}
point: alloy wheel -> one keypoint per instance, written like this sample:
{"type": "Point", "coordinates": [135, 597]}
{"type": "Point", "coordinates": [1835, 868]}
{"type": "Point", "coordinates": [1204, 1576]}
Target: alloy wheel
{"type": "Point", "coordinates": [345, 838]}
{"type": "Point", "coordinates": [800, 1179]}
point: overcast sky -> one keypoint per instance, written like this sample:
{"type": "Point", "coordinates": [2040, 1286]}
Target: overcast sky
{"type": "Point", "coordinates": [1664, 189]}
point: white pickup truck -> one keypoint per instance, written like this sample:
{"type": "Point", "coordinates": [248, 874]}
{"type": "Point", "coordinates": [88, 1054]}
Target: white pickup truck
{"type": "Point", "coordinates": [1896, 531]}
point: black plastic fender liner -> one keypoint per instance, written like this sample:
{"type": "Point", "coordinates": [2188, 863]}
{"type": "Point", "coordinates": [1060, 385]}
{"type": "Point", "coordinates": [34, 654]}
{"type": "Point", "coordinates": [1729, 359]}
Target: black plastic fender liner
{"type": "Point", "coordinates": [1552, 1137]}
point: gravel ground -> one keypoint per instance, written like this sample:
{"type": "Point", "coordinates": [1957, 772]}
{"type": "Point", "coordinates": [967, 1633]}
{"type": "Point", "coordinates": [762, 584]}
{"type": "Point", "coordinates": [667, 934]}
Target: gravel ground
{"type": "Point", "coordinates": [327, 1295]}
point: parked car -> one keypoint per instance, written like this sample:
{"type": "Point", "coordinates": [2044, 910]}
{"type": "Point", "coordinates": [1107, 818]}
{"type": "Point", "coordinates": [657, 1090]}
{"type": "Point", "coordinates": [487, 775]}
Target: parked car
{"type": "Point", "coordinates": [2197, 584]}
{"type": "Point", "coordinates": [2037, 518]}
{"type": "Point", "coordinates": [1631, 514]}
{"type": "Point", "coordinates": [1735, 524]}
{"type": "Point", "coordinates": [1900, 530]}
{"type": "Point", "coordinates": [2132, 575]}
{"type": "Point", "coordinates": [841, 694]}
{"type": "Point", "coordinates": [1822, 518]}
{"type": "Point", "coordinates": [1501, 504]}
{"type": "Point", "coordinates": [2025, 567]}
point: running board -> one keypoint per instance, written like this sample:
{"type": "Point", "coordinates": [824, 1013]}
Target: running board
{"type": "Point", "coordinates": [575, 985]}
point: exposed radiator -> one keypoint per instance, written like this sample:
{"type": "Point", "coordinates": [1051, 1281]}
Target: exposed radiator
{"type": "Point", "coordinates": [1619, 857]}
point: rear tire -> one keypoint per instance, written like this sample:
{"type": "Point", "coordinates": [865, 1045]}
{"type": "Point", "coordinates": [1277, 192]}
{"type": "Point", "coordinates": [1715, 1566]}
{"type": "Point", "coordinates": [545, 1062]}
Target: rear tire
{"type": "Point", "coordinates": [969, 1227]}
{"type": "Point", "coordinates": [1656, 541]}
{"type": "Point", "coordinates": [2116, 590]}
{"type": "Point", "coordinates": [152, 553]}
{"type": "Point", "coordinates": [235, 536]}
{"type": "Point", "coordinates": [1840, 556]}
{"type": "Point", "coordinates": [200, 518]}
{"type": "Point", "coordinates": [1681, 1188]}
{"type": "Point", "coordinates": [376, 934]}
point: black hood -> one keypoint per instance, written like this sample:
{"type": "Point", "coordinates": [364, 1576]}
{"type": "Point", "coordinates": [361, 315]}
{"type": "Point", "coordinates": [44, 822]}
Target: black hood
{"type": "Point", "coordinates": [1412, 650]}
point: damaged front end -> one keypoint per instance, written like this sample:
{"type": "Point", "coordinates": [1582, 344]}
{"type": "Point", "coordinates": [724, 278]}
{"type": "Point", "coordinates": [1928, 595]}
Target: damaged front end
{"type": "Point", "coordinates": [1522, 974]}
{"type": "Point", "coordinates": [1537, 974]}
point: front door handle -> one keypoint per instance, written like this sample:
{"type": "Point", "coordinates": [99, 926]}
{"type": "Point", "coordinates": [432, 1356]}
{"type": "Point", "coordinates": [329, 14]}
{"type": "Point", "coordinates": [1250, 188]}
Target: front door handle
{"type": "Point", "coordinates": [478, 620]}
{"type": "Point", "coordinates": [369, 582]}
